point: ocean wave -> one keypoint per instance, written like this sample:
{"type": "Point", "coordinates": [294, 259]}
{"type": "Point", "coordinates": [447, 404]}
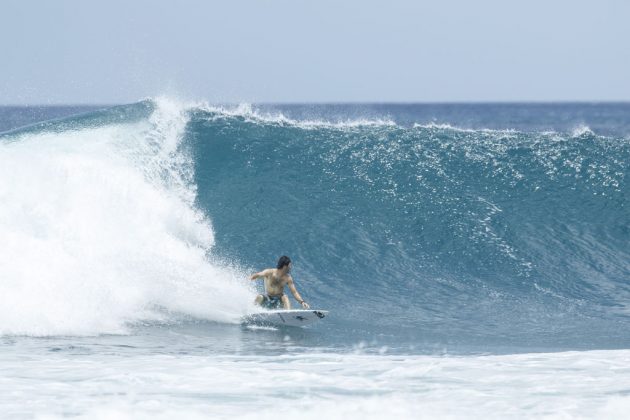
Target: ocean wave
{"type": "Point", "coordinates": [131, 214]}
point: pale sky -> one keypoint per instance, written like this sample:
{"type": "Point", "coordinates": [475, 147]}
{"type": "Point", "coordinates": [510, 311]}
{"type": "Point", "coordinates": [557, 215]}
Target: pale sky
{"type": "Point", "coordinates": [118, 51]}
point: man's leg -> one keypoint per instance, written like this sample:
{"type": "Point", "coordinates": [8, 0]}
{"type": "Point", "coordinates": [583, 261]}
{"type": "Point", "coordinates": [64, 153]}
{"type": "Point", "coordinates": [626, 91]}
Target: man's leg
{"type": "Point", "coordinates": [259, 300]}
{"type": "Point", "coordinates": [286, 304]}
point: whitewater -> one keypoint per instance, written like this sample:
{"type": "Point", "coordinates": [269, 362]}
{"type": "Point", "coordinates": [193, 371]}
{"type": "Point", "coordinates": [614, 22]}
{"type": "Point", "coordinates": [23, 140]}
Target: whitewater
{"type": "Point", "coordinates": [475, 260]}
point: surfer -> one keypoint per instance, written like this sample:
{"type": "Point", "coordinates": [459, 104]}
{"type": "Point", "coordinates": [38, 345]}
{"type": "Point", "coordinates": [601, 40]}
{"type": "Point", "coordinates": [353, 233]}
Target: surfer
{"type": "Point", "coordinates": [275, 280]}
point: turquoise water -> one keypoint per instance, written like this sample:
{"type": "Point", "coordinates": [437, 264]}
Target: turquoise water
{"type": "Point", "coordinates": [437, 236]}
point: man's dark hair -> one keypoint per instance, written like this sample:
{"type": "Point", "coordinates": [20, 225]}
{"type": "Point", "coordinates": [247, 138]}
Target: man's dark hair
{"type": "Point", "coordinates": [284, 260]}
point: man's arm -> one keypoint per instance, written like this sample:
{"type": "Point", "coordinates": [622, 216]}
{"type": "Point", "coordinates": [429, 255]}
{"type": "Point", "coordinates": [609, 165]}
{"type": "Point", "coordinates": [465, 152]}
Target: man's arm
{"type": "Point", "coordinates": [263, 273]}
{"type": "Point", "coordinates": [295, 293]}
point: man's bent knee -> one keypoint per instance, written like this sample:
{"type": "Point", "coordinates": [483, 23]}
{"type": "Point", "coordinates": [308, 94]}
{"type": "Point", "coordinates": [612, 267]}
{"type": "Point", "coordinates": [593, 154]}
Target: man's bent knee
{"type": "Point", "coordinates": [285, 302]}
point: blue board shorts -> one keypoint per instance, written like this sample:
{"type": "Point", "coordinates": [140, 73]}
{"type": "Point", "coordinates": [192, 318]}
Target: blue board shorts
{"type": "Point", "coordinates": [272, 302]}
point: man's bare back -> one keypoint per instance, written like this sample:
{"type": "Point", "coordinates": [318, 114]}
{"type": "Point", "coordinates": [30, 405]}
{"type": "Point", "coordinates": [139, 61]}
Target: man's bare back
{"type": "Point", "coordinates": [275, 280]}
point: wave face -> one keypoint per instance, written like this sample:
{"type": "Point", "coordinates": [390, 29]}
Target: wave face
{"type": "Point", "coordinates": [420, 232]}
{"type": "Point", "coordinates": [428, 229]}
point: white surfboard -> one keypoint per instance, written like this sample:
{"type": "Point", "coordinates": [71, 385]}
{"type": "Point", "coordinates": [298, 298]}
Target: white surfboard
{"type": "Point", "coordinates": [287, 318]}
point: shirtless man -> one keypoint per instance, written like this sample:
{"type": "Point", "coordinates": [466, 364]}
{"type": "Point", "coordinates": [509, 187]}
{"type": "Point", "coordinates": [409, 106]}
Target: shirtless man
{"type": "Point", "coordinates": [275, 280]}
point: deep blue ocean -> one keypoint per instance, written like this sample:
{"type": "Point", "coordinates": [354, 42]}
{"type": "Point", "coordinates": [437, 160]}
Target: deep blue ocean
{"type": "Point", "coordinates": [427, 230]}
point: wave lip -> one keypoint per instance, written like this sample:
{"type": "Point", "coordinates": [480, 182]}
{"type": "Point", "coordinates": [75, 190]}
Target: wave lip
{"type": "Point", "coordinates": [251, 114]}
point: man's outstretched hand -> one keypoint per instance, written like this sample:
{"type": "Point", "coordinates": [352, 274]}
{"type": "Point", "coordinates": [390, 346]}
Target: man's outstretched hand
{"type": "Point", "coordinates": [305, 305]}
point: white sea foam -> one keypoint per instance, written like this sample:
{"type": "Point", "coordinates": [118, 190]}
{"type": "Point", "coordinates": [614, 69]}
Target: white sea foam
{"type": "Point", "coordinates": [314, 386]}
{"type": "Point", "coordinates": [581, 130]}
{"type": "Point", "coordinates": [449, 127]}
{"type": "Point", "coordinates": [250, 113]}
{"type": "Point", "coordinates": [99, 231]}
